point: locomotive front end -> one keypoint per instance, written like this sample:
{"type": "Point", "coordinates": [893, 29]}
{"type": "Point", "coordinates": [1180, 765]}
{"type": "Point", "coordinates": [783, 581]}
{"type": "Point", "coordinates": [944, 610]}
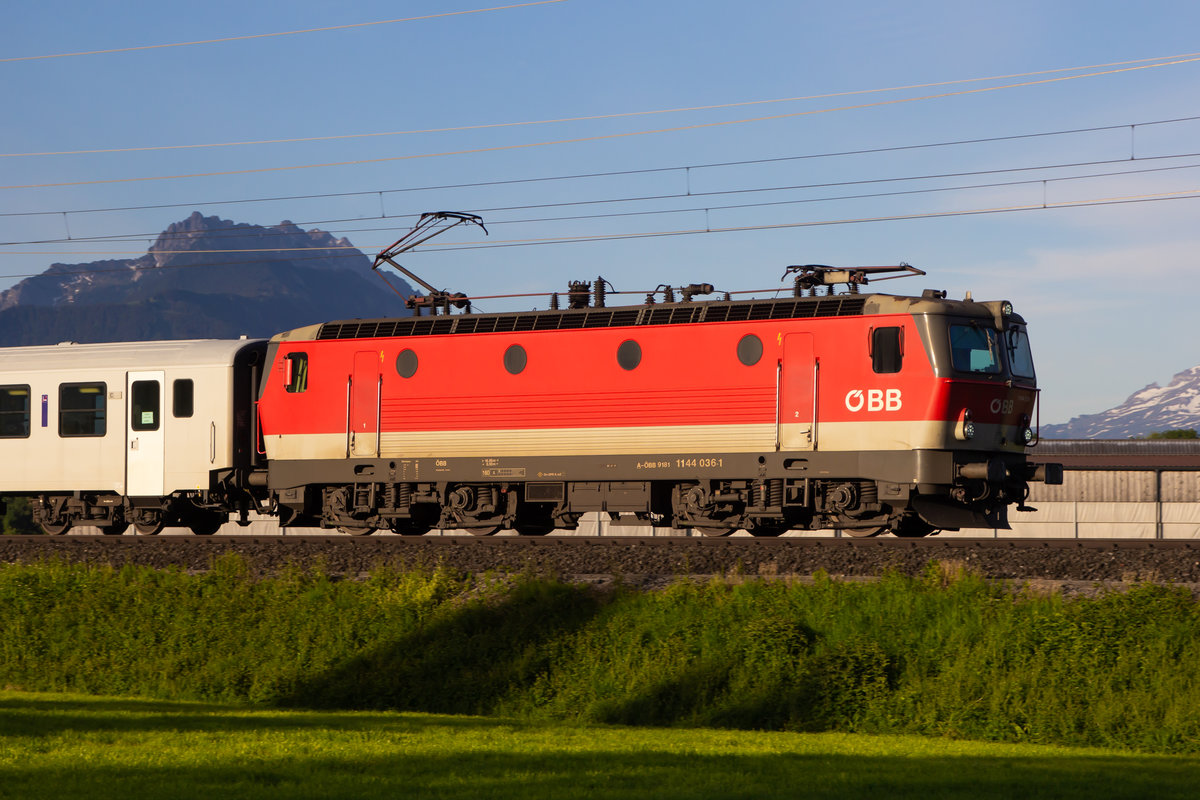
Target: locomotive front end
{"type": "Point", "coordinates": [986, 400]}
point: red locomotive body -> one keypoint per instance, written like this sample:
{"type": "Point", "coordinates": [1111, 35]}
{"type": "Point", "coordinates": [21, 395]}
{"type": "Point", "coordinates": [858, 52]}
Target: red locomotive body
{"type": "Point", "coordinates": [861, 412]}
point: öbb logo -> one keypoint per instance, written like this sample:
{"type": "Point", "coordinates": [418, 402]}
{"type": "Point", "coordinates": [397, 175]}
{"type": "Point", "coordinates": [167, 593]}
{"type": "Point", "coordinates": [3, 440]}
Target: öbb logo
{"type": "Point", "coordinates": [1000, 406]}
{"type": "Point", "coordinates": [873, 400]}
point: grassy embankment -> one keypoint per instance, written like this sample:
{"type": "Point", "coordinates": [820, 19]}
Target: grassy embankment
{"type": "Point", "coordinates": [100, 748]}
{"type": "Point", "coordinates": [958, 658]}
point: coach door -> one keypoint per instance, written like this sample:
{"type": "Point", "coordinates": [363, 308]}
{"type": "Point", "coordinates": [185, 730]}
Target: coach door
{"type": "Point", "coordinates": [797, 407]}
{"type": "Point", "coordinates": [145, 439]}
{"type": "Point", "coordinates": [366, 388]}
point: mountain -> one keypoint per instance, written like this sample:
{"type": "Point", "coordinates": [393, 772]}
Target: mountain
{"type": "Point", "coordinates": [204, 277]}
{"type": "Point", "coordinates": [1155, 408]}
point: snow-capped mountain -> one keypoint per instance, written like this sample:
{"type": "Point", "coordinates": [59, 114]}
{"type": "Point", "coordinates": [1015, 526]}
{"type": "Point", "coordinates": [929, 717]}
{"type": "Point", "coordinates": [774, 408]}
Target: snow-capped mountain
{"type": "Point", "coordinates": [1155, 408]}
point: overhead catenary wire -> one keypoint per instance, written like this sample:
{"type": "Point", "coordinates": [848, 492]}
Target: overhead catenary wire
{"type": "Point", "coordinates": [1186, 194]}
{"type": "Point", "coordinates": [597, 117]}
{"type": "Point", "coordinates": [277, 34]}
{"type": "Point", "coordinates": [592, 138]}
{"type": "Point", "coordinates": [233, 232]}
{"type": "Point", "coordinates": [612, 173]}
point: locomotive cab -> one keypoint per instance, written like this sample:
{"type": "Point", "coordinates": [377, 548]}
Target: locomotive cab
{"type": "Point", "coordinates": [987, 396]}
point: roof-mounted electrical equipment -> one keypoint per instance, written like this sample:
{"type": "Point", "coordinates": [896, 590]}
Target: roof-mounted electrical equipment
{"type": "Point", "coordinates": [686, 293]}
{"type": "Point", "coordinates": [431, 224]}
{"type": "Point", "coordinates": [810, 276]}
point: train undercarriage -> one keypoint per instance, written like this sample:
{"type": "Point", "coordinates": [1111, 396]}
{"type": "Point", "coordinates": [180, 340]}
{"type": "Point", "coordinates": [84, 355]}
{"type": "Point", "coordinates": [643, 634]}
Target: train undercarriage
{"type": "Point", "coordinates": [906, 493]}
{"type": "Point", "coordinates": [113, 514]}
{"type": "Point", "coordinates": [361, 497]}
{"type": "Point", "coordinates": [201, 511]}
{"type": "Point", "coordinates": [763, 507]}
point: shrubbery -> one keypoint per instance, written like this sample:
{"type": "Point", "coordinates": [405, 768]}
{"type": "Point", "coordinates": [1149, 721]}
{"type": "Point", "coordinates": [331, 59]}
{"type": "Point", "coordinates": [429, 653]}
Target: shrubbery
{"type": "Point", "coordinates": [17, 517]}
{"type": "Point", "coordinates": [939, 656]}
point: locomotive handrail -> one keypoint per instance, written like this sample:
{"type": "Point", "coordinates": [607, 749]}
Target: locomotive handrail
{"type": "Point", "coordinates": [349, 433]}
{"type": "Point", "coordinates": [1037, 416]}
{"type": "Point", "coordinates": [812, 432]}
{"type": "Point", "coordinates": [379, 419]}
{"type": "Point", "coordinates": [778, 402]}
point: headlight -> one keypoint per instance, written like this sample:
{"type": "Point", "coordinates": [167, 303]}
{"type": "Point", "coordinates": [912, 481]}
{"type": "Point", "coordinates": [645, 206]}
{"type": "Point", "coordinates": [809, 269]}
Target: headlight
{"type": "Point", "coordinates": [1027, 435]}
{"type": "Point", "coordinates": [1006, 308]}
{"type": "Point", "coordinates": [965, 430]}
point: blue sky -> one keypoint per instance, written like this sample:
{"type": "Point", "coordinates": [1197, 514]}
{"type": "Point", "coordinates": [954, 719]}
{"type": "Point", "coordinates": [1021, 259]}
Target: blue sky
{"type": "Point", "coordinates": [1110, 290]}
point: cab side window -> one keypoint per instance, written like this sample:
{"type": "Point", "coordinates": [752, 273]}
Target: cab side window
{"type": "Point", "coordinates": [887, 350]}
{"type": "Point", "coordinates": [295, 372]}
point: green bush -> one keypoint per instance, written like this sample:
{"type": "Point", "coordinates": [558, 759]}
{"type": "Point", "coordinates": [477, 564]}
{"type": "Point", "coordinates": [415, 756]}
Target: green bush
{"type": "Point", "coordinates": [940, 655]}
{"type": "Point", "coordinates": [18, 518]}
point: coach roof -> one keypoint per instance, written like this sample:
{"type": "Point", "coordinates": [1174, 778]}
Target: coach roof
{"type": "Point", "coordinates": [122, 355]}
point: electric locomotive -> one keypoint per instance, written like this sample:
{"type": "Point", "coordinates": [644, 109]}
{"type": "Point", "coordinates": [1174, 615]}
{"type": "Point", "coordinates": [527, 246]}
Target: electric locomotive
{"type": "Point", "coordinates": [834, 408]}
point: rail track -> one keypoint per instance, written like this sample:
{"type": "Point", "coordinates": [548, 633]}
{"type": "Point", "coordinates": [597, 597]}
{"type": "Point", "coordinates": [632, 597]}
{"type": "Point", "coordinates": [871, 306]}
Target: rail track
{"type": "Point", "coordinates": [1173, 561]}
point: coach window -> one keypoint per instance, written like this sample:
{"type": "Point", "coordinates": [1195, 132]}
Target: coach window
{"type": "Point", "coordinates": [82, 409]}
{"type": "Point", "coordinates": [183, 398]}
{"type": "Point", "coordinates": [295, 374]}
{"type": "Point", "coordinates": [887, 351]}
{"type": "Point", "coordinates": [143, 405]}
{"type": "Point", "coordinates": [14, 412]}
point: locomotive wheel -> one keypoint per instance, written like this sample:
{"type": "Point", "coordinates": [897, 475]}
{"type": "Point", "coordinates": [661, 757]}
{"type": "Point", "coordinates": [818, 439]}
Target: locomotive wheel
{"type": "Point", "coordinates": [150, 526]}
{"type": "Point", "coordinates": [56, 528]}
{"type": "Point", "coordinates": [52, 518]}
{"type": "Point", "coordinates": [864, 533]}
{"type": "Point", "coordinates": [116, 529]}
{"type": "Point", "coordinates": [206, 524]}
{"type": "Point", "coordinates": [482, 530]}
{"type": "Point", "coordinates": [356, 530]}
{"type": "Point", "coordinates": [710, 531]}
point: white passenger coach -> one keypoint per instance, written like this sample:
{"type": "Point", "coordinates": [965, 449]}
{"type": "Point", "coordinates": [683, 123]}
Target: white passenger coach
{"type": "Point", "coordinates": [149, 433]}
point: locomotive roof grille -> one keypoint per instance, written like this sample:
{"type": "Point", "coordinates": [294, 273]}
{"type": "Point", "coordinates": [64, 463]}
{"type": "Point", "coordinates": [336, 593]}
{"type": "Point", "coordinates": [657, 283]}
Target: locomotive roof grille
{"type": "Point", "coordinates": [627, 316]}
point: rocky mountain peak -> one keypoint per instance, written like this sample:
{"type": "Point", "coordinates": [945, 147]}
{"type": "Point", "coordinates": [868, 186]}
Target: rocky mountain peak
{"type": "Point", "coordinates": [204, 277]}
{"type": "Point", "coordinates": [175, 246]}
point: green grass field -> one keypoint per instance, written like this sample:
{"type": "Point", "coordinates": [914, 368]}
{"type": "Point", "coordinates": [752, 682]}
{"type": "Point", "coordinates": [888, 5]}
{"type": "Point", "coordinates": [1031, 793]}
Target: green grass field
{"type": "Point", "coordinates": [827, 683]}
{"type": "Point", "coordinates": [72, 746]}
